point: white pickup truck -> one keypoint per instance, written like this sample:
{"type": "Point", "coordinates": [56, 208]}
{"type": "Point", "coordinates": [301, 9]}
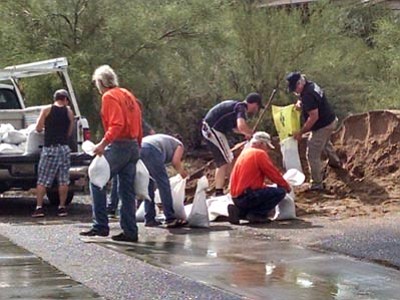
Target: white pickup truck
{"type": "Point", "coordinates": [19, 170]}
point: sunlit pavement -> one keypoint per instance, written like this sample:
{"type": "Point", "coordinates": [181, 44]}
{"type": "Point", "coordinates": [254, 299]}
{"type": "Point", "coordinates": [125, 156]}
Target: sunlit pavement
{"type": "Point", "coordinates": [223, 262]}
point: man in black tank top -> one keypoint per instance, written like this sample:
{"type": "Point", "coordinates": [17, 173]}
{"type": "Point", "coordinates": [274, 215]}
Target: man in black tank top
{"type": "Point", "coordinates": [57, 120]}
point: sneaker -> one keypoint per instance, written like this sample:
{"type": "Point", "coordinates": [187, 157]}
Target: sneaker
{"type": "Point", "coordinates": [62, 212]}
{"type": "Point", "coordinates": [123, 238]}
{"type": "Point", "coordinates": [317, 187]}
{"type": "Point", "coordinates": [256, 219]}
{"type": "Point", "coordinates": [153, 223]}
{"type": "Point", "coordinates": [336, 164]}
{"type": "Point", "coordinates": [93, 232]}
{"type": "Point", "coordinates": [175, 223]}
{"type": "Point", "coordinates": [233, 212]}
{"type": "Point", "coordinates": [111, 213]}
{"type": "Point", "coordinates": [38, 213]}
{"type": "Point", "coordinates": [219, 193]}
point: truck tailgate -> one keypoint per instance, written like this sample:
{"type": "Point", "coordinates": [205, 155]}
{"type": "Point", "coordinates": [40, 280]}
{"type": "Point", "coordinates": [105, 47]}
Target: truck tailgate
{"type": "Point", "coordinates": [77, 159]}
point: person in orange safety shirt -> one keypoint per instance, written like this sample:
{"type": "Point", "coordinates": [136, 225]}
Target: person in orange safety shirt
{"type": "Point", "coordinates": [122, 122]}
{"type": "Point", "coordinates": [251, 197]}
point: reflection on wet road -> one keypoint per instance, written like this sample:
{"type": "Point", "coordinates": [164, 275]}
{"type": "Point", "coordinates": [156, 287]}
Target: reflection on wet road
{"type": "Point", "coordinates": [25, 276]}
{"type": "Point", "coordinates": [260, 268]}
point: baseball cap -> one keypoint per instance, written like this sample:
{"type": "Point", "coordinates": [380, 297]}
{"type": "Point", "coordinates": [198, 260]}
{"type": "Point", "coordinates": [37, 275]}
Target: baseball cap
{"type": "Point", "coordinates": [60, 94]}
{"type": "Point", "coordinates": [292, 79]}
{"type": "Point", "coordinates": [262, 136]}
{"type": "Point", "coordinates": [254, 98]}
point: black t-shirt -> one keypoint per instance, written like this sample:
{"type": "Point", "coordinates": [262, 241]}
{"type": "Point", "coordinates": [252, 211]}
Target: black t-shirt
{"type": "Point", "coordinates": [223, 116]}
{"type": "Point", "coordinates": [313, 97]}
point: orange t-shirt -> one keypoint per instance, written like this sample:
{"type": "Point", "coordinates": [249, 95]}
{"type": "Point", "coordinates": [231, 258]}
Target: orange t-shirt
{"type": "Point", "coordinates": [251, 168]}
{"type": "Point", "coordinates": [121, 115]}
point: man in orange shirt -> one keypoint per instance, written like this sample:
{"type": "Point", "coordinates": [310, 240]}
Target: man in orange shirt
{"type": "Point", "coordinates": [253, 199]}
{"type": "Point", "coordinates": [122, 122]}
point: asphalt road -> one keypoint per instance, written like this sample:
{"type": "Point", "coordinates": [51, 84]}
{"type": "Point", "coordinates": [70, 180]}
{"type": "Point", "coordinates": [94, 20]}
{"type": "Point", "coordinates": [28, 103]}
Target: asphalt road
{"type": "Point", "coordinates": [139, 272]}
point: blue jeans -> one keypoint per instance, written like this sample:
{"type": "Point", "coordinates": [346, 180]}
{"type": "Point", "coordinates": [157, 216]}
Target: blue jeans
{"type": "Point", "coordinates": [153, 159]}
{"type": "Point", "coordinates": [113, 203]}
{"type": "Point", "coordinates": [122, 157]}
{"type": "Point", "coordinates": [259, 202]}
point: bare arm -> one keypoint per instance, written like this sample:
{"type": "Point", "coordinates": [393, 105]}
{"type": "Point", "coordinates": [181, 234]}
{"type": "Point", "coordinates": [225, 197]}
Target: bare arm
{"type": "Point", "coordinates": [42, 118]}
{"type": "Point", "coordinates": [243, 128]}
{"type": "Point", "coordinates": [177, 161]}
{"type": "Point", "coordinates": [71, 121]}
{"type": "Point", "coordinates": [312, 118]}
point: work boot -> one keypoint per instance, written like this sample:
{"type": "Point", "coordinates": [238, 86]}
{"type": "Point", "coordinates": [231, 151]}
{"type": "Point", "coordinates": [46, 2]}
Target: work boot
{"type": "Point", "coordinates": [256, 219]}
{"type": "Point", "coordinates": [93, 233]}
{"type": "Point", "coordinates": [123, 238]}
{"type": "Point", "coordinates": [233, 214]}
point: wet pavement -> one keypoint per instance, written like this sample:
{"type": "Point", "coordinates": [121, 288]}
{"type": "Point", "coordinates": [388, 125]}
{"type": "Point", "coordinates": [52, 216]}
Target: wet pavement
{"type": "Point", "coordinates": [262, 268]}
{"type": "Point", "coordinates": [272, 261]}
{"type": "Point", "coordinates": [224, 262]}
{"type": "Point", "coordinates": [24, 276]}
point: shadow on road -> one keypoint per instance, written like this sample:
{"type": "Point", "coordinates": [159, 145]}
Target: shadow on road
{"type": "Point", "coordinates": [286, 224]}
{"type": "Point", "coordinates": [18, 210]}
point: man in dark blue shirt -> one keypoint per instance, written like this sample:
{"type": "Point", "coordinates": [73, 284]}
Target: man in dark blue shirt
{"type": "Point", "coordinates": [320, 121]}
{"type": "Point", "coordinates": [227, 116]}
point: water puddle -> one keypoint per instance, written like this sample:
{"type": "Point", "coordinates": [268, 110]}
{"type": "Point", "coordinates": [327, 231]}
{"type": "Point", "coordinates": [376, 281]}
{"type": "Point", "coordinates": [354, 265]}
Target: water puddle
{"type": "Point", "coordinates": [260, 268]}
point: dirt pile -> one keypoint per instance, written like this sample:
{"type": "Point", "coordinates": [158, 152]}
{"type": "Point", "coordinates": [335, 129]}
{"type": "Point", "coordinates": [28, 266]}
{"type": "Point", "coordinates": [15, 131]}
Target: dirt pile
{"type": "Point", "coordinates": [368, 144]}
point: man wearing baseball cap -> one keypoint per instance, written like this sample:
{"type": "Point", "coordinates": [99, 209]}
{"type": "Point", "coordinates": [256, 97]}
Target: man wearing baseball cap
{"type": "Point", "coordinates": [320, 122]}
{"type": "Point", "coordinates": [57, 120]}
{"type": "Point", "coordinates": [225, 117]}
{"type": "Point", "coordinates": [251, 197]}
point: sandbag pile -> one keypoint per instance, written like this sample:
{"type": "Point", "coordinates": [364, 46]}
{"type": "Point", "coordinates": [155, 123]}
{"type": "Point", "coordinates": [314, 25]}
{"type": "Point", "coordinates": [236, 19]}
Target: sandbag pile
{"type": "Point", "coordinates": [23, 141]}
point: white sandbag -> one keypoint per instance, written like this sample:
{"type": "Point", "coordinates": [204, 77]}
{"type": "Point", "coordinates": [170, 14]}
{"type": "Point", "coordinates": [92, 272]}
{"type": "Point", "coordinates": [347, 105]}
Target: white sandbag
{"type": "Point", "coordinates": [142, 179]}
{"type": "Point", "coordinates": [28, 129]}
{"type": "Point", "coordinates": [198, 216]}
{"type": "Point", "coordinates": [140, 212]}
{"type": "Point", "coordinates": [188, 208]}
{"type": "Point", "coordinates": [218, 206]}
{"type": "Point", "coordinates": [294, 177]}
{"type": "Point", "coordinates": [22, 147]}
{"type": "Point", "coordinates": [178, 185]}
{"type": "Point", "coordinates": [5, 128]}
{"type": "Point", "coordinates": [290, 154]}
{"type": "Point", "coordinates": [88, 147]}
{"type": "Point", "coordinates": [10, 149]}
{"type": "Point", "coordinates": [286, 209]}
{"type": "Point", "coordinates": [14, 137]}
{"type": "Point", "coordinates": [35, 142]}
{"type": "Point", "coordinates": [99, 171]}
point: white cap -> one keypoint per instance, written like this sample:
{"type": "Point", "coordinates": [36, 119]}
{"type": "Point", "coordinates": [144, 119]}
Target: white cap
{"type": "Point", "coordinates": [262, 136]}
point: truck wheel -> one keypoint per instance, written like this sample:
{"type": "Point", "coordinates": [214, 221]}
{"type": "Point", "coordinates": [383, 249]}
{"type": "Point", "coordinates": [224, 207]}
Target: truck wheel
{"type": "Point", "coordinates": [55, 200]}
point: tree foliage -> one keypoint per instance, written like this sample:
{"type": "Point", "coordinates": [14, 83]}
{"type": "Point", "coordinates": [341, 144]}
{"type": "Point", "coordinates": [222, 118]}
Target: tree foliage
{"type": "Point", "coordinates": [182, 57]}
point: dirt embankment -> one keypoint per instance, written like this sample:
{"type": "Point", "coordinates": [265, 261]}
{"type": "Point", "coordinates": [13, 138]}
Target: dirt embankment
{"type": "Point", "coordinates": [369, 184]}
